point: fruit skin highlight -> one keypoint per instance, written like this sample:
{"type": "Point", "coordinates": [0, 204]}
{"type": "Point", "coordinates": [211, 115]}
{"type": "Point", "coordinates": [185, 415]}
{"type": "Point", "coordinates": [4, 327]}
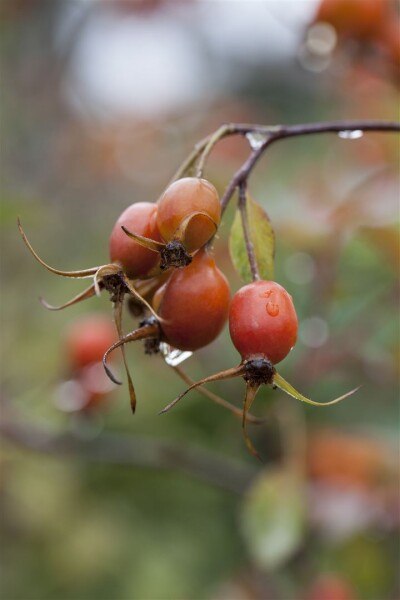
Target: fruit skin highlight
{"type": "Point", "coordinates": [263, 321]}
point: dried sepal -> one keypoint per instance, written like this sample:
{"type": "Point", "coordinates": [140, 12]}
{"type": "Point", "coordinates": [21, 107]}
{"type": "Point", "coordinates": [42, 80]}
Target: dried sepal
{"type": "Point", "coordinates": [103, 272]}
{"type": "Point", "coordinates": [261, 372]}
{"type": "Point", "coordinates": [117, 310]}
{"type": "Point", "coordinates": [131, 287]}
{"type": "Point", "coordinates": [251, 392]}
{"type": "Point", "coordinates": [88, 293]}
{"type": "Point", "coordinates": [291, 391]}
{"type": "Point", "coordinates": [180, 232]}
{"type": "Point", "coordinates": [75, 274]}
{"type": "Point", "coordinates": [217, 399]}
{"type": "Point", "coordinates": [228, 374]}
{"type": "Point", "coordinates": [143, 241]}
{"type": "Point", "coordinates": [174, 253]}
{"type": "Point", "coordinates": [151, 329]}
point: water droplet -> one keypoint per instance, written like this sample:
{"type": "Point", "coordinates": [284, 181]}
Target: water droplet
{"type": "Point", "coordinates": [256, 140]}
{"type": "Point", "coordinates": [266, 294]}
{"type": "Point", "coordinates": [351, 135]}
{"type": "Point", "coordinates": [321, 39]}
{"type": "Point", "coordinates": [172, 356]}
{"type": "Point", "coordinates": [272, 309]}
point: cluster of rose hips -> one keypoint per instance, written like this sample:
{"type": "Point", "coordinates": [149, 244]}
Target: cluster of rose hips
{"type": "Point", "coordinates": [162, 262]}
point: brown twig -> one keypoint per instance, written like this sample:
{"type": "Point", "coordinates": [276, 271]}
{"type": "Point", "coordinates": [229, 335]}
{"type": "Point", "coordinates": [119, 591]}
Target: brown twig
{"type": "Point", "coordinates": [246, 232]}
{"type": "Point", "coordinates": [279, 132]}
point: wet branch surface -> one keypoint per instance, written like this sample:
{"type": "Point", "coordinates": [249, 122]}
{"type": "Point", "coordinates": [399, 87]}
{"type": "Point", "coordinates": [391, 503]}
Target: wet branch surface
{"type": "Point", "coordinates": [275, 133]}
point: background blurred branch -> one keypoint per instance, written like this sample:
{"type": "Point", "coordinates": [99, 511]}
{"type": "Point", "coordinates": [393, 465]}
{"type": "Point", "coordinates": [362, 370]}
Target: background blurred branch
{"type": "Point", "coordinates": [123, 449]}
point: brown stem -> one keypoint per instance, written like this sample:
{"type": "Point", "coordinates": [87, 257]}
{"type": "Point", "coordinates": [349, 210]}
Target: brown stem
{"type": "Point", "coordinates": [246, 232]}
{"type": "Point", "coordinates": [222, 132]}
{"type": "Point", "coordinates": [191, 159]}
{"type": "Point", "coordinates": [284, 131]}
{"type": "Point", "coordinates": [241, 175]}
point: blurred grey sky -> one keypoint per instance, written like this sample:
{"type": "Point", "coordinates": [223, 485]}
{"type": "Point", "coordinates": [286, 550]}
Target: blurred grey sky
{"type": "Point", "coordinates": [158, 62]}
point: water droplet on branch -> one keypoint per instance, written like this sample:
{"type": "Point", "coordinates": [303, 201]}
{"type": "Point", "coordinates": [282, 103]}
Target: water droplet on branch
{"type": "Point", "coordinates": [256, 140]}
{"type": "Point", "coordinates": [351, 135]}
{"type": "Point", "coordinates": [172, 356]}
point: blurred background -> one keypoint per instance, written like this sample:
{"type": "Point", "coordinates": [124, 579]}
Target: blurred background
{"type": "Point", "coordinates": [101, 102]}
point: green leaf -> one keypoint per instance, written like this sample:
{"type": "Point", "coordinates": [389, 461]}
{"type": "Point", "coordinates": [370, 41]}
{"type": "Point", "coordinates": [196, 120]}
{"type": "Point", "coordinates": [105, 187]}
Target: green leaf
{"type": "Point", "coordinates": [273, 518]}
{"type": "Point", "coordinates": [262, 237]}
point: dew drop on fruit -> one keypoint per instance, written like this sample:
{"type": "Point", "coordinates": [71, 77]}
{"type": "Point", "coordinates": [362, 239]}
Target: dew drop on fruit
{"type": "Point", "coordinates": [272, 309]}
{"type": "Point", "coordinates": [173, 356]}
{"type": "Point", "coordinates": [351, 135]}
{"type": "Point", "coordinates": [256, 140]}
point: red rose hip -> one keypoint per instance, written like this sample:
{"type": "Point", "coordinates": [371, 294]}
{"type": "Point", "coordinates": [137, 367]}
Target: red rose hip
{"type": "Point", "coordinates": [263, 321]}
{"type": "Point", "coordinates": [193, 305]}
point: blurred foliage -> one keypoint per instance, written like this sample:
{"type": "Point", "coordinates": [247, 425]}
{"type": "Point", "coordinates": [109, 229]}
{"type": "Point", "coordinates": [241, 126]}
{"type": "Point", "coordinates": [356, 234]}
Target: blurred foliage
{"type": "Point", "coordinates": [273, 518]}
{"type": "Point", "coordinates": [78, 530]}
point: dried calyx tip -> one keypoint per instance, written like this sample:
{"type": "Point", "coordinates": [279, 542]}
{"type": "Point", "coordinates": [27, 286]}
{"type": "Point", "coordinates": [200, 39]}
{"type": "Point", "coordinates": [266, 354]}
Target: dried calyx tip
{"type": "Point", "coordinates": [110, 374]}
{"type": "Point", "coordinates": [258, 371]}
{"type": "Point", "coordinates": [174, 254]}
